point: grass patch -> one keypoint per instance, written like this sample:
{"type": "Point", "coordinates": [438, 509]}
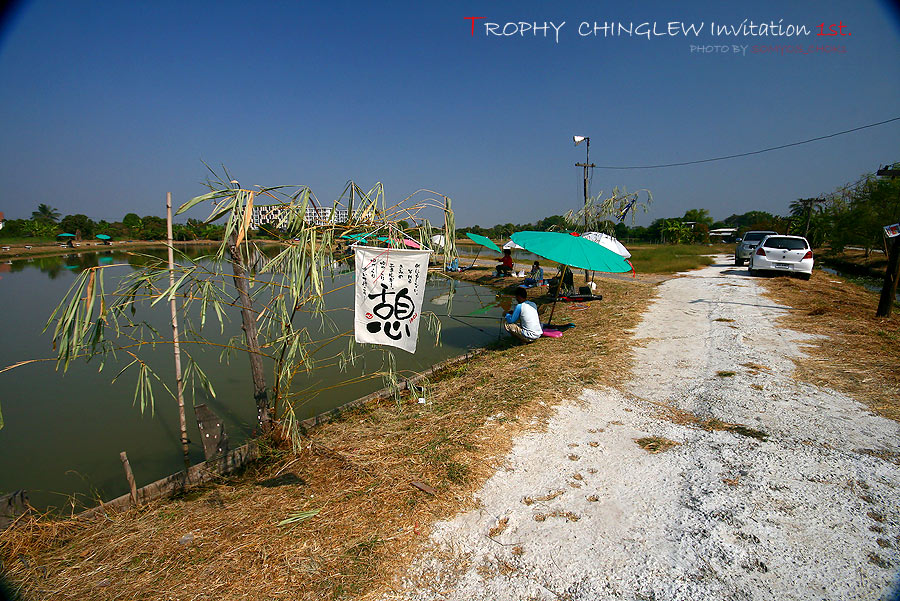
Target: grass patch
{"type": "Point", "coordinates": [655, 444]}
{"type": "Point", "coordinates": [854, 352]}
{"type": "Point", "coordinates": [725, 374]}
{"type": "Point", "coordinates": [357, 472]}
{"type": "Point", "coordinates": [717, 425]}
{"type": "Point", "coordinates": [673, 258]}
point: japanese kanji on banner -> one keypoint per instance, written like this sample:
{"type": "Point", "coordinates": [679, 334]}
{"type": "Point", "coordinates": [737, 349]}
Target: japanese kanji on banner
{"type": "Point", "coordinates": [390, 288]}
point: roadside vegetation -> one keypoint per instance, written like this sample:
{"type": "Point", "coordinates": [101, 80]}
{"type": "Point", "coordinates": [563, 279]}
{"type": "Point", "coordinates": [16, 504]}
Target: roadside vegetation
{"type": "Point", "coordinates": [674, 258]}
{"type": "Point", "coordinates": [854, 351]}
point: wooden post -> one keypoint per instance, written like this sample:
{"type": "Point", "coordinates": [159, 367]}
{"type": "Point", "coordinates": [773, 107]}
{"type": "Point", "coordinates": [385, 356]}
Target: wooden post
{"type": "Point", "coordinates": [130, 477]}
{"type": "Point", "coordinates": [179, 384]}
{"type": "Point", "coordinates": [891, 275]}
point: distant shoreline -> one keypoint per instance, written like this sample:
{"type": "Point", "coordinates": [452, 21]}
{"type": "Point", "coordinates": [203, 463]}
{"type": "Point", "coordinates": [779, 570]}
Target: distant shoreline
{"type": "Point", "coordinates": [18, 251]}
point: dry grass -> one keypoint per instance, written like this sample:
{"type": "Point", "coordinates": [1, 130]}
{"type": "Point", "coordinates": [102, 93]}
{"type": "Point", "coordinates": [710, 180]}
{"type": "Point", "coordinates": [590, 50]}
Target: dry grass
{"type": "Point", "coordinates": [655, 444]}
{"type": "Point", "coordinates": [356, 472]}
{"type": "Point", "coordinates": [860, 352]}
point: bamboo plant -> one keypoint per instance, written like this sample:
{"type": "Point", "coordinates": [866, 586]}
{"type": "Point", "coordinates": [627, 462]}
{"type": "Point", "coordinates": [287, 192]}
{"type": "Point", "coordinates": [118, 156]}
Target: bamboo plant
{"type": "Point", "coordinates": [92, 323]}
{"type": "Point", "coordinates": [600, 214]}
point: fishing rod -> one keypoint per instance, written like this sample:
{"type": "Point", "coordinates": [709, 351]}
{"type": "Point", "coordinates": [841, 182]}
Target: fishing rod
{"type": "Point", "coordinates": [468, 324]}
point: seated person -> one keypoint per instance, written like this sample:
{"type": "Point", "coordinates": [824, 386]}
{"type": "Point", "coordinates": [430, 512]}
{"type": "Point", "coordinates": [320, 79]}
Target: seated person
{"type": "Point", "coordinates": [505, 266]}
{"type": "Point", "coordinates": [568, 280]}
{"type": "Point", "coordinates": [536, 276]}
{"type": "Point", "coordinates": [528, 328]}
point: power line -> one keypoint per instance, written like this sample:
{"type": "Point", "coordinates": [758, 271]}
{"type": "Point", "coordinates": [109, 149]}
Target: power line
{"type": "Point", "coordinates": [745, 154]}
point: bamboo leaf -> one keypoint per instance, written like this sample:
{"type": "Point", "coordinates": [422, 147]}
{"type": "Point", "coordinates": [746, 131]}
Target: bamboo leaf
{"type": "Point", "coordinates": [210, 196]}
{"type": "Point", "coordinates": [299, 516]}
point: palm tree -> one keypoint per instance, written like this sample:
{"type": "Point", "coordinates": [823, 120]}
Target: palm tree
{"type": "Point", "coordinates": [804, 207]}
{"type": "Point", "coordinates": [45, 213]}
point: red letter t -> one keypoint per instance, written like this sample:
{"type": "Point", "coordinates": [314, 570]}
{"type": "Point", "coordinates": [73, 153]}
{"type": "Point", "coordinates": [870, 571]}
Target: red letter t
{"type": "Point", "coordinates": [473, 23]}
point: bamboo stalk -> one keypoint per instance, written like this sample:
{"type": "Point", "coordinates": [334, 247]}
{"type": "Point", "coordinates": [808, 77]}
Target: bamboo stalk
{"type": "Point", "coordinates": [248, 324]}
{"type": "Point", "coordinates": [179, 384]}
{"type": "Point", "coordinates": [132, 487]}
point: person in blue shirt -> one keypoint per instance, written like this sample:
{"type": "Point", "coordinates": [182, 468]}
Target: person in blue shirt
{"type": "Point", "coordinates": [523, 322]}
{"type": "Point", "coordinates": [536, 276]}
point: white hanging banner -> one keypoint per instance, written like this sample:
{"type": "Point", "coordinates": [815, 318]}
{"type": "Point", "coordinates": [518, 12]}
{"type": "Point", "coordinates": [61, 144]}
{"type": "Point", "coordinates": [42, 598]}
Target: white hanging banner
{"type": "Point", "coordinates": [390, 288]}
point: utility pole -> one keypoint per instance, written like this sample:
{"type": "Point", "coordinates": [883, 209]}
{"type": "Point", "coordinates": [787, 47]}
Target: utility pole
{"type": "Point", "coordinates": [587, 164]}
{"type": "Point", "coordinates": [892, 272]}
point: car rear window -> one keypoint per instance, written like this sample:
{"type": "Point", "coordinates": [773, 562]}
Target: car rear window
{"type": "Point", "coordinates": [786, 243]}
{"type": "Point", "coordinates": [755, 236]}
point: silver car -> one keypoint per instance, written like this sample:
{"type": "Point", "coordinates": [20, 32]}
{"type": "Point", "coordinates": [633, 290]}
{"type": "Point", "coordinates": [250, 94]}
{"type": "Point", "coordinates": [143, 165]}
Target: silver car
{"type": "Point", "coordinates": [746, 245]}
{"type": "Point", "coordinates": [787, 254]}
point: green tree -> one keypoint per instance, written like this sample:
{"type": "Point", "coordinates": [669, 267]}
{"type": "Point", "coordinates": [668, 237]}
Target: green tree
{"type": "Point", "coordinates": [699, 216]}
{"type": "Point", "coordinates": [45, 213]}
{"type": "Point", "coordinates": [133, 224]}
{"type": "Point", "coordinates": [676, 232]}
{"type": "Point", "coordinates": [39, 229]}
{"type": "Point", "coordinates": [551, 223]}
{"type": "Point", "coordinates": [153, 228]}
{"type": "Point", "coordinates": [750, 220]}
{"type": "Point", "coordinates": [78, 224]}
{"type": "Point", "coordinates": [14, 228]}
{"type": "Point", "coordinates": [700, 234]}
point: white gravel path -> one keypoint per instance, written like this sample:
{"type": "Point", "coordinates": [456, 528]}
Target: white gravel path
{"type": "Point", "coordinates": [804, 514]}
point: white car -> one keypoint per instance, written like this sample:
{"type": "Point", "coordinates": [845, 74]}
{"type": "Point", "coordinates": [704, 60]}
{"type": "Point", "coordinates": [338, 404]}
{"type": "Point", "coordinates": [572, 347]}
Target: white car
{"type": "Point", "coordinates": [787, 254]}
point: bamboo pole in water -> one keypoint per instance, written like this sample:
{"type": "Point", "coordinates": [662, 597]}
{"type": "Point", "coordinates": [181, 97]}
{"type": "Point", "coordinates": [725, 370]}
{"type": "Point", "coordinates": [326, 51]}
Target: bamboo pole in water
{"type": "Point", "coordinates": [179, 385]}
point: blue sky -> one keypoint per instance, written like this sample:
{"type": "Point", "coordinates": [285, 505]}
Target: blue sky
{"type": "Point", "coordinates": [106, 106]}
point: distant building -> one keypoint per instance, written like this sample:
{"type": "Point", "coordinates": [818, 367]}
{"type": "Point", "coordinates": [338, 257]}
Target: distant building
{"type": "Point", "coordinates": [2, 220]}
{"type": "Point", "coordinates": [277, 215]}
{"type": "Point", "coordinates": [723, 233]}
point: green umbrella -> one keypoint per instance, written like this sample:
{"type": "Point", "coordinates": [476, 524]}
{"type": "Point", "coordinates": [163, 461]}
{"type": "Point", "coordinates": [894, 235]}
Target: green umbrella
{"type": "Point", "coordinates": [571, 251]}
{"type": "Point", "coordinates": [481, 241]}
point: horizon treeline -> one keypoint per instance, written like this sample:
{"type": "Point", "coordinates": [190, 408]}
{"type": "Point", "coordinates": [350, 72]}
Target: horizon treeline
{"type": "Point", "coordinates": [46, 223]}
{"type": "Point", "coordinates": [853, 214]}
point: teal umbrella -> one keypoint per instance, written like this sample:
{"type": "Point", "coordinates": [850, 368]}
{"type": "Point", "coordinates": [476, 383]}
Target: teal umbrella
{"type": "Point", "coordinates": [571, 251]}
{"type": "Point", "coordinates": [481, 241]}
{"type": "Point", "coordinates": [65, 235]}
{"type": "Point", "coordinates": [103, 237]}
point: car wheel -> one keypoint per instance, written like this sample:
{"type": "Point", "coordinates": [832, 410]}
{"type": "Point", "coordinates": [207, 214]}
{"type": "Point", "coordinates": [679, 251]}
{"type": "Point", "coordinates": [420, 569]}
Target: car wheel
{"type": "Point", "coordinates": [805, 276]}
{"type": "Point", "coordinates": [737, 261]}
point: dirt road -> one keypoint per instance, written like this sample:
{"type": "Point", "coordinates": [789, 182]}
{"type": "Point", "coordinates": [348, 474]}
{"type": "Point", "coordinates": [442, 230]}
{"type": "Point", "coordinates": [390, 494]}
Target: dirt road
{"type": "Point", "coordinates": [771, 488]}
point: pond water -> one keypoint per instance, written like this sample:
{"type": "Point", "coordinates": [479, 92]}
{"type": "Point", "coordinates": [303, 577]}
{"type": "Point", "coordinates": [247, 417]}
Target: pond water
{"type": "Point", "coordinates": [522, 258]}
{"type": "Point", "coordinates": [869, 283]}
{"type": "Point", "coordinates": [63, 432]}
